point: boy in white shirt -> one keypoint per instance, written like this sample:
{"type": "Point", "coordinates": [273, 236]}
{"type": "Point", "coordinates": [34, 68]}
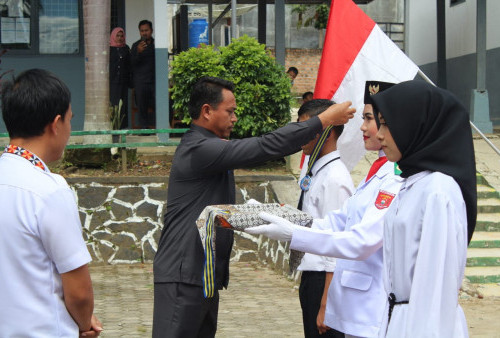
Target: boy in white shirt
{"type": "Point", "coordinates": [329, 184]}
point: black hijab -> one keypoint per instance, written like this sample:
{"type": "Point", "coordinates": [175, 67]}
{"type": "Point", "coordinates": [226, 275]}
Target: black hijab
{"type": "Point", "coordinates": [432, 131]}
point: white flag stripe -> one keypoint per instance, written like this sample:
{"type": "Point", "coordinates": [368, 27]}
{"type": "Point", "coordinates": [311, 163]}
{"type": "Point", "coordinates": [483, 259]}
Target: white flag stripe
{"type": "Point", "coordinates": [379, 59]}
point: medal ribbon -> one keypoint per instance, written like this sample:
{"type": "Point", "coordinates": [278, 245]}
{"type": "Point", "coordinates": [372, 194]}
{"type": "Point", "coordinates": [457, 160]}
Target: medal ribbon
{"type": "Point", "coordinates": [317, 148]}
{"type": "Point", "coordinates": [26, 154]}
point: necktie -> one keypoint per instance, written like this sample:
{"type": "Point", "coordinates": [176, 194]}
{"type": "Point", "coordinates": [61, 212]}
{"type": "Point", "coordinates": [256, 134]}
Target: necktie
{"type": "Point", "coordinates": [375, 167]}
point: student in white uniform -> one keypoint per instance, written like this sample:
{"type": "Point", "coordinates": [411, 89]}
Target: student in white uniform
{"type": "Point", "coordinates": [45, 286]}
{"type": "Point", "coordinates": [329, 184]}
{"type": "Point", "coordinates": [357, 303]}
{"type": "Point", "coordinates": [426, 130]}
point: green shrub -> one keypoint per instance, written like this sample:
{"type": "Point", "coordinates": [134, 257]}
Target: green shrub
{"type": "Point", "coordinates": [187, 68]}
{"type": "Point", "coordinates": [262, 87]}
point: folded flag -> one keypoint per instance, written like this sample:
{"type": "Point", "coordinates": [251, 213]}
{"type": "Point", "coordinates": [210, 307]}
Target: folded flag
{"type": "Point", "coordinates": [239, 217]}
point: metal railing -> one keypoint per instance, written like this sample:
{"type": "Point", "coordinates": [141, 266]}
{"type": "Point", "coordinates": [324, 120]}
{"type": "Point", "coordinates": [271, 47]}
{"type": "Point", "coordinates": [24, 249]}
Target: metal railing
{"type": "Point", "coordinates": [122, 144]}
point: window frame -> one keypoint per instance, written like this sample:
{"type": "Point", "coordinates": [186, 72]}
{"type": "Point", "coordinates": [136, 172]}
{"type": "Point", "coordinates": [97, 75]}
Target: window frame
{"type": "Point", "coordinates": [35, 35]}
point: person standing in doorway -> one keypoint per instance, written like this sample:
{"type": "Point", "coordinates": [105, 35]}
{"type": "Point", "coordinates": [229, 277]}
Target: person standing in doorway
{"type": "Point", "coordinates": [143, 74]}
{"type": "Point", "coordinates": [119, 76]}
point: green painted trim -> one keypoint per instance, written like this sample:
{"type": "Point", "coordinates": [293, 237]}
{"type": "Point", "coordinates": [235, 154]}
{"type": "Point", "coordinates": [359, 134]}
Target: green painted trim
{"type": "Point", "coordinates": [488, 209]}
{"type": "Point", "coordinates": [483, 261]}
{"type": "Point", "coordinates": [487, 226]}
{"type": "Point", "coordinates": [488, 194]}
{"type": "Point", "coordinates": [484, 279]}
{"type": "Point", "coordinates": [122, 132]}
{"type": "Point", "coordinates": [123, 145]}
{"type": "Point", "coordinates": [484, 244]}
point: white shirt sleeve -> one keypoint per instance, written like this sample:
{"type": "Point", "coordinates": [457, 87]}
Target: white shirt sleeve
{"type": "Point", "coordinates": [358, 243]}
{"type": "Point", "coordinates": [60, 231]}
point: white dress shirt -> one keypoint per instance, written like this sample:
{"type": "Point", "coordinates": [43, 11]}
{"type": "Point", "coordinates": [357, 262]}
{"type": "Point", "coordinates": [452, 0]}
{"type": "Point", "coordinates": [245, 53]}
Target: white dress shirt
{"type": "Point", "coordinates": [425, 251]}
{"type": "Point", "coordinates": [40, 239]}
{"type": "Point", "coordinates": [331, 185]}
{"type": "Point", "coordinates": [357, 302]}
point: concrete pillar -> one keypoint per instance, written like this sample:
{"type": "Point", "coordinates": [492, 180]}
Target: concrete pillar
{"type": "Point", "coordinates": [479, 104]}
{"type": "Point", "coordinates": [279, 28]}
{"type": "Point", "coordinates": [162, 37]}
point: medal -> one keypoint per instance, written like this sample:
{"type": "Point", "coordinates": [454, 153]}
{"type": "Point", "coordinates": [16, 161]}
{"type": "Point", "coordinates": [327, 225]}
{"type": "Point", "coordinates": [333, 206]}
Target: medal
{"type": "Point", "coordinates": [305, 183]}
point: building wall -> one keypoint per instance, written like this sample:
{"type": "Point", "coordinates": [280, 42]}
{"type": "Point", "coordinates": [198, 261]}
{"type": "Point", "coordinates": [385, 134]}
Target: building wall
{"type": "Point", "coordinates": [70, 68]}
{"type": "Point", "coordinates": [460, 47]}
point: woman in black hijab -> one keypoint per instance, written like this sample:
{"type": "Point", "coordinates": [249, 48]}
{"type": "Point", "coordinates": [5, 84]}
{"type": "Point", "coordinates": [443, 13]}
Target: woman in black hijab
{"type": "Point", "coordinates": [426, 131]}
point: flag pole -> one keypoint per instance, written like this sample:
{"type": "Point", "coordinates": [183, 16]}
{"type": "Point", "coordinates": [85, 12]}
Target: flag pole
{"type": "Point", "coordinates": [426, 78]}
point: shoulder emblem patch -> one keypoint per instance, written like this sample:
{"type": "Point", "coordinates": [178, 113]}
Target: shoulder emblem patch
{"type": "Point", "coordinates": [384, 199]}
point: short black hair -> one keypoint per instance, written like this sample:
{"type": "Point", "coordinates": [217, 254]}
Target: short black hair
{"type": "Point", "coordinates": [293, 69]}
{"type": "Point", "coordinates": [316, 107]}
{"type": "Point", "coordinates": [306, 94]}
{"type": "Point", "coordinates": [145, 22]}
{"type": "Point", "coordinates": [31, 101]}
{"type": "Point", "coordinates": [207, 90]}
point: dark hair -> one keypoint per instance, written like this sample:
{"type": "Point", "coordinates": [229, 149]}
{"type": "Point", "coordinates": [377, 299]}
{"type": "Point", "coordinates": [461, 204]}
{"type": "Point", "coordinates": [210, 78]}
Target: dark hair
{"type": "Point", "coordinates": [207, 90]}
{"type": "Point", "coordinates": [31, 101]}
{"type": "Point", "coordinates": [306, 94]}
{"type": "Point", "coordinates": [293, 69]}
{"type": "Point", "coordinates": [145, 22]}
{"type": "Point", "coordinates": [316, 107]}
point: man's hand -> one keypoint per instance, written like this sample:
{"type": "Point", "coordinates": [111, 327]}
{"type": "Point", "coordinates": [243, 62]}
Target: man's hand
{"type": "Point", "coordinates": [278, 228]}
{"type": "Point", "coordinates": [95, 328]}
{"type": "Point", "coordinates": [337, 114]}
{"type": "Point", "coordinates": [141, 46]}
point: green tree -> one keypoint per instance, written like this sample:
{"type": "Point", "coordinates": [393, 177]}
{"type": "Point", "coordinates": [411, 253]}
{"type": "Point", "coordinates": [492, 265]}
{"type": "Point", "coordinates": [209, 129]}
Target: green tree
{"type": "Point", "coordinates": [262, 87]}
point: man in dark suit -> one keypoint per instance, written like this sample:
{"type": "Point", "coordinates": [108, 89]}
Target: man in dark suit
{"type": "Point", "coordinates": [142, 58]}
{"type": "Point", "coordinates": [202, 175]}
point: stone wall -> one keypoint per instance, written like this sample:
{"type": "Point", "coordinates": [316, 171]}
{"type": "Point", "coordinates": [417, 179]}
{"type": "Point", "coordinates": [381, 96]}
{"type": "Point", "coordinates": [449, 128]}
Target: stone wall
{"type": "Point", "coordinates": [122, 217]}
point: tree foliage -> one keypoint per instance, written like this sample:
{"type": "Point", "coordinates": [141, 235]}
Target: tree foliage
{"type": "Point", "coordinates": [262, 87]}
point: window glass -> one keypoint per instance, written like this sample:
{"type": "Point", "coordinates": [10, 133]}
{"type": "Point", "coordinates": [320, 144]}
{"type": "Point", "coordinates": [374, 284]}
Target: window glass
{"type": "Point", "coordinates": [15, 24]}
{"type": "Point", "coordinates": [58, 27]}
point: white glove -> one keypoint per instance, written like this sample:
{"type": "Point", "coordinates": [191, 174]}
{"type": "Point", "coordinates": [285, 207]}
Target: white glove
{"type": "Point", "coordinates": [278, 228]}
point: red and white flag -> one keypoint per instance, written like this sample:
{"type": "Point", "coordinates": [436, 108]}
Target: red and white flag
{"type": "Point", "coordinates": [356, 50]}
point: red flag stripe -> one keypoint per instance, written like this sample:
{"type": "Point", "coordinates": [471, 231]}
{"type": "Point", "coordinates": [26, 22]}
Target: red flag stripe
{"type": "Point", "coordinates": [347, 29]}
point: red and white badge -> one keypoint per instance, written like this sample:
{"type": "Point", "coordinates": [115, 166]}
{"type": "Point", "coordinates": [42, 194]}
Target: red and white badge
{"type": "Point", "coordinates": [384, 199]}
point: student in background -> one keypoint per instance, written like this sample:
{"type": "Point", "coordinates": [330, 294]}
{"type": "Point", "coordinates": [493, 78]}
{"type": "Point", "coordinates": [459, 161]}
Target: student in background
{"type": "Point", "coordinates": [326, 185]}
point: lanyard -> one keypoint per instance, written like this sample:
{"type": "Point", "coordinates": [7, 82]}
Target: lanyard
{"type": "Point", "coordinates": [26, 154]}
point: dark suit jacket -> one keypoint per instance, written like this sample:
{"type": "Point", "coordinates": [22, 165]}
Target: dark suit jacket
{"type": "Point", "coordinates": [202, 175]}
{"type": "Point", "coordinates": [143, 64]}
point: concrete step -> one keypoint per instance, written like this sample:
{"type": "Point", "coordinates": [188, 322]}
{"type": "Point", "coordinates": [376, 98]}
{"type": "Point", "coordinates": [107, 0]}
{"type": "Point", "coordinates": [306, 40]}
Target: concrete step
{"type": "Point", "coordinates": [480, 179]}
{"type": "Point", "coordinates": [483, 257]}
{"type": "Point", "coordinates": [480, 274]}
{"type": "Point", "coordinates": [485, 191]}
{"type": "Point", "coordinates": [484, 239]}
{"type": "Point", "coordinates": [488, 222]}
{"type": "Point", "coordinates": [488, 205]}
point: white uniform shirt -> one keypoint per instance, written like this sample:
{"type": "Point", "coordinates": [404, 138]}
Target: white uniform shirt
{"type": "Point", "coordinates": [425, 251]}
{"type": "Point", "coordinates": [40, 238]}
{"type": "Point", "coordinates": [331, 185]}
{"type": "Point", "coordinates": [357, 302]}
